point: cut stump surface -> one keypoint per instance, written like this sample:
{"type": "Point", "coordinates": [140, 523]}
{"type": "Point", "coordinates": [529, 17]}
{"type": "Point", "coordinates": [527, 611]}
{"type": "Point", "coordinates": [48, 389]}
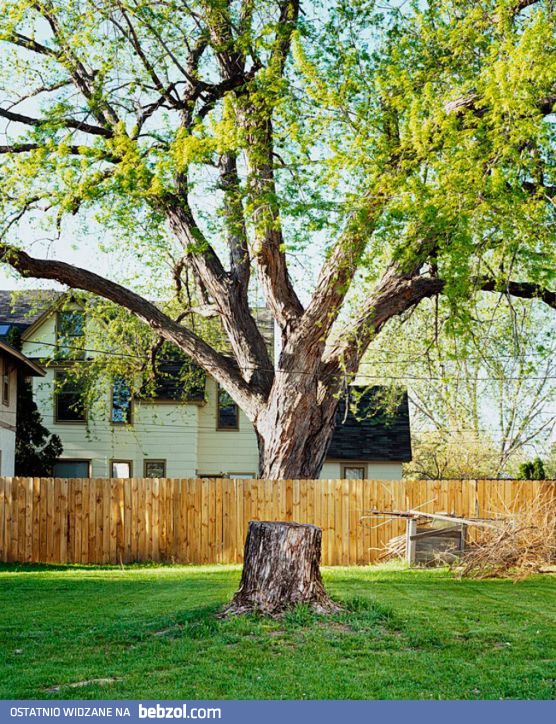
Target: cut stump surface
{"type": "Point", "coordinates": [281, 569]}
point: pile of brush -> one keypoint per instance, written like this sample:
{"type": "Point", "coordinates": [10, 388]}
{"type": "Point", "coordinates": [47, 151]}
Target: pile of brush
{"type": "Point", "coordinates": [521, 544]}
{"type": "Point", "coordinates": [395, 548]}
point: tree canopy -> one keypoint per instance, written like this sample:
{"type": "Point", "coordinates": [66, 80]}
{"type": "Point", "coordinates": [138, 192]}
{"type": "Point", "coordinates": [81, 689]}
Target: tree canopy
{"type": "Point", "coordinates": [340, 160]}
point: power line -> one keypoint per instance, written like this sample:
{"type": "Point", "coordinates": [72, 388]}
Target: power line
{"type": "Point", "coordinates": [254, 368]}
{"type": "Point", "coordinates": [365, 361]}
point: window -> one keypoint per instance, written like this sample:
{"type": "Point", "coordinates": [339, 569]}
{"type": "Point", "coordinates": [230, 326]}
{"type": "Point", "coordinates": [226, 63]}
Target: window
{"type": "Point", "coordinates": [155, 468]}
{"type": "Point", "coordinates": [354, 472]}
{"type": "Point", "coordinates": [72, 469]}
{"type": "Point", "coordinates": [121, 402]}
{"type": "Point", "coordinates": [69, 405]}
{"type": "Point", "coordinates": [70, 332]}
{"type": "Point", "coordinates": [5, 382]}
{"type": "Point", "coordinates": [121, 469]}
{"type": "Point", "coordinates": [227, 414]}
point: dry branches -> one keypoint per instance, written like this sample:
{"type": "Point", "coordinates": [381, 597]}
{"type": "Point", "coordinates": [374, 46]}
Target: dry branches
{"type": "Point", "coordinates": [524, 543]}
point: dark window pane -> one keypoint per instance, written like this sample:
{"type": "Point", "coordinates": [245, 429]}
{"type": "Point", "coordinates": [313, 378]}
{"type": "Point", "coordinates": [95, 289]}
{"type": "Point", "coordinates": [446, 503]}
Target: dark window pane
{"type": "Point", "coordinates": [155, 468]}
{"type": "Point", "coordinates": [71, 331]}
{"type": "Point", "coordinates": [121, 401]}
{"type": "Point", "coordinates": [228, 413]}
{"type": "Point", "coordinates": [71, 469]}
{"type": "Point", "coordinates": [69, 399]}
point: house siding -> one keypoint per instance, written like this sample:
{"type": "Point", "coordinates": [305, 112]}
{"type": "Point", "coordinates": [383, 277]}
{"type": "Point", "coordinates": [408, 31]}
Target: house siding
{"type": "Point", "coordinates": [7, 451]}
{"type": "Point", "coordinates": [159, 431]}
{"type": "Point", "coordinates": [8, 421]}
{"type": "Point", "coordinates": [225, 451]}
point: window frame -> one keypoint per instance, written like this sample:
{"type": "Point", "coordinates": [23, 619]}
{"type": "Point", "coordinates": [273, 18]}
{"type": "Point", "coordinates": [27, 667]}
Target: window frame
{"type": "Point", "coordinates": [75, 460]}
{"type": "Point", "coordinates": [120, 460]}
{"type": "Point", "coordinates": [146, 461]}
{"type": "Point", "coordinates": [58, 420]}
{"type": "Point", "coordinates": [228, 428]}
{"type": "Point", "coordinates": [117, 423]}
{"type": "Point", "coordinates": [361, 466]}
{"type": "Point", "coordinates": [69, 356]}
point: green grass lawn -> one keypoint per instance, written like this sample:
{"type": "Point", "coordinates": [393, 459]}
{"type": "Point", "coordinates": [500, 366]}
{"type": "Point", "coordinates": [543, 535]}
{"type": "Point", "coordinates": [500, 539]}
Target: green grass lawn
{"type": "Point", "coordinates": [151, 632]}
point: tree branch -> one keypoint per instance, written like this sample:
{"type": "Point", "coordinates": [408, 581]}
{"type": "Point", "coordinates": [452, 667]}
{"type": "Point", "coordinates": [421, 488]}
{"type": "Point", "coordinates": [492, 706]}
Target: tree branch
{"type": "Point", "coordinates": [269, 244]}
{"type": "Point", "coordinates": [230, 299]}
{"type": "Point", "coordinates": [131, 36]}
{"type": "Point", "coordinates": [62, 122]}
{"type": "Point", "coordinates": [336, 276]}
{"type": "Point", "coordinates": [29, 44]}
{"type": "Point", "coordinates": [219, 366]}
{"type": "Point", "coordinates": [82, 78]}
{"type": "Point", "coordinates": [471, 102]}
{"type": "Point", "coordinates": [524, 290]}
{"type": "Point", "coordinates": [397, 293]}
{"type": "Point", "coordinates": [240, 262]}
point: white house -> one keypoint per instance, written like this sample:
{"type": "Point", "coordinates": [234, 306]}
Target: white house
{"type": "Point", "coordinates": [165, 435]}
{"type": "Point", "coordinates": [12, 365]}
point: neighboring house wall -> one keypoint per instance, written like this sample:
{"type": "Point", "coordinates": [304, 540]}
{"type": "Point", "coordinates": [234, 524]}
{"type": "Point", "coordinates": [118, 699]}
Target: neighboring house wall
{"type": "Point", "coordinates": [160, 431]}
{"type": "Point", "coordinates": [225, 451]}
{"type": "Point", "coordinates": [184, 435]}
{"type": "Point", "coordinates": [7, 416]}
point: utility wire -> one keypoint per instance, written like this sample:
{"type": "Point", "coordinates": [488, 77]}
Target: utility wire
{"type": "Point", "coordinates": [367, 360]}
{"type": "Point", "coordinates": [303, 372]}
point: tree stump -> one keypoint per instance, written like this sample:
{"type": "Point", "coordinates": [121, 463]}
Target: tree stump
{"type": "Point", "coordinates": [281, 569]}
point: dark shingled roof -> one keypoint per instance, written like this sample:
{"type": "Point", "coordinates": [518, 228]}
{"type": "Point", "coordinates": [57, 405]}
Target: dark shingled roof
{"type": "Point", "coordinates": [369, 433]}
{"type": "Point", "coordinates": [21, 309]}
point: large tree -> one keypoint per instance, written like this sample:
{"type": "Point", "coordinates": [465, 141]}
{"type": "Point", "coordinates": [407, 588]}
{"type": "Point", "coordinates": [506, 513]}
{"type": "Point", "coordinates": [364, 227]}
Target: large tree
{"type": "Point", "coordinates": [405, 150]}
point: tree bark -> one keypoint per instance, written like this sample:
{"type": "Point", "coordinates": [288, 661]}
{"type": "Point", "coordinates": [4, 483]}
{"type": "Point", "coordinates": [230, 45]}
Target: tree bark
{"type": "Point", "coordinates": [280, 570]}
{"type": "Point", "coordinates": [294, 433]}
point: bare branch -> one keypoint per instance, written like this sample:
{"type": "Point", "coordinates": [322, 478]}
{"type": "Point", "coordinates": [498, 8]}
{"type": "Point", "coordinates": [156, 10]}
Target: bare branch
{"type": "Point", "coordinates": [62, 122]}
{"type": "Point", "coordinates": [82, 78]}
{"type": "Point", "coordinates": [30, 44]}
{"type": "Point", "coordinates": [131, 36]}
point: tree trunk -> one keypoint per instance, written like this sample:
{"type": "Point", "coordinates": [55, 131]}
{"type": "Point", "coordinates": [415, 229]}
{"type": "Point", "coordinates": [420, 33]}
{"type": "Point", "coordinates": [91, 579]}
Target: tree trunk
{"type": "Point", "coordinates": [294, 430]}
{"type": "Point", "coordinates": [281, 570]}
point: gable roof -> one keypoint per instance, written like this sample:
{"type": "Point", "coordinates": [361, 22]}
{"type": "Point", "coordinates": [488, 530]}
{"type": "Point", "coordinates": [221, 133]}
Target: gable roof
{"type": "Point", "coordinates": [370, 433]}
{"type": "Point", "coordinates": [29, 367]}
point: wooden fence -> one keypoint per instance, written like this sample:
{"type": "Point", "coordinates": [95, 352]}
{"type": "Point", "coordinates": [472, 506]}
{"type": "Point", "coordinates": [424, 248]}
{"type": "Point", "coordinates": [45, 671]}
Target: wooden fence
{"type": "Point", "coordinates": [205, 521]}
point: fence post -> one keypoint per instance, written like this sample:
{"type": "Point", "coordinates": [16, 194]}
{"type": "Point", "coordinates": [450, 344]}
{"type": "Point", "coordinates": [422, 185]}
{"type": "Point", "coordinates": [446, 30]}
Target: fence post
{"type": "Point", "coordinates": [411, 545]}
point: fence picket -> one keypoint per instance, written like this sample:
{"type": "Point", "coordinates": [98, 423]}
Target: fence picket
{"type": "Point", "coordinates": [205, 521]}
